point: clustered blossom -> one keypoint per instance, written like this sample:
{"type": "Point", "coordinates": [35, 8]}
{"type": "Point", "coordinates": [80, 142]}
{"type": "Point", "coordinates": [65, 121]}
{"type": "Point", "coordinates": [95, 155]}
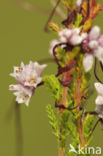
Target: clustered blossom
{"type": "Point", "coordinates": [70, 36]}
{"type": "Point", "coordinates": [28, 78]}
{"type": "Point", "coordinates": [99, 99]}
{"type": "Point", "coordinates": [93, 42]}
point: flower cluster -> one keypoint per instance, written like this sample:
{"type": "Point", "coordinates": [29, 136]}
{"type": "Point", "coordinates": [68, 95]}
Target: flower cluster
{"type": "Point", "coordinates": [70, 36]}
{"type": "Point", "coordinates": [28, 78]}
{"type": "Point", "coordinates": [91, 42]}
{"type": "Point", "coordinates": [94, 44]}
{"type": "Point", "coordinates": [73, 52]}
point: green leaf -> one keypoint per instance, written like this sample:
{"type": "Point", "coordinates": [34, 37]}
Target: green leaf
{"type": "Point", "coordinates": [53, 120]}
{"type": "Point", "coordinates": [64, 128]}
{"type": "Point", "coordinates": [74, 53]}
{"type": "Point", "coordinates": [78, 20]}
{"type": "Point", "coordinates": [88, 126]}
{"type": "Point", "coordinates": [53, 84]}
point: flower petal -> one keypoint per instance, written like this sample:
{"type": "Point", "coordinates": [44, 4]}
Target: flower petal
{"type": "Point", "coordinates": [93, 44]}
{"type": "Point", "coordinates": [99, 110]}
{"type": "Point", "coordinates": [78, 2]}
{"type": "Point", "coordinates": [94, 33]}
{"type": "Point", "coordinates": [99, 88]}
{"type": "Point", "coordinates": [99, 53]}
{"type": "Point", "coordinates": [87, 62]}
{"type": "Point", "coordinates": [64, 35]}
{"type": "Point", "coordinates": [99, 100]}
{"type": "Point", "coordinates": [100, 41]}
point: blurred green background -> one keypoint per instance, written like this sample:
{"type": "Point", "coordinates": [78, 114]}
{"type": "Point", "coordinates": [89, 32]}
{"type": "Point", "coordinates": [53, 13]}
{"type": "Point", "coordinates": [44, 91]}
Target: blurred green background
{"type": "Point", "coordinates": [22, 38]}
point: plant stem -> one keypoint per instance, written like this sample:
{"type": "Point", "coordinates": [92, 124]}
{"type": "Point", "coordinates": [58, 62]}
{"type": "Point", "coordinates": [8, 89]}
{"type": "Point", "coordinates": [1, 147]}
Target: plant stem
{"type": "Point", "coordinates": [65, 89]}
{"type": "Point", "coordinates": [80, 130]}
{"type": "Point", "coordinates": [64, 98]}
{"type": "Point", "coordinates": [79, 121]}
{"type": "Point", "coordinates": [60, 152]}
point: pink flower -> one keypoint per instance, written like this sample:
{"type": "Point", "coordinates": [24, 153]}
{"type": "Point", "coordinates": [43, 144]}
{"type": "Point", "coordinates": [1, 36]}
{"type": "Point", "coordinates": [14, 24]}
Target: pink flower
{"type": "Point", "coordinates": [99, 89]}
{"type": "Point", "coordinates": [93, 42]}
{"type": "Point", "coordinates": [87, 62]}
{"type": "Point", "coordinates": [99, 99]}
{"type": "Point", "coordinates": [96, 42]}
{"type": "Point", "coordinates": [28, 77]}
{"type": "Point", "coordinates": [22, 93]}
{"type": "Point", "coordinates": [72, 36]}
{"type": "Point", "coordinates": [94, 33]}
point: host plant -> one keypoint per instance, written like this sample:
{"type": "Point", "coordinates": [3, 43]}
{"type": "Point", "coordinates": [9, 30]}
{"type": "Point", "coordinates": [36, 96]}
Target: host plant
{"type": "Point", "coordinates": [77, 46]}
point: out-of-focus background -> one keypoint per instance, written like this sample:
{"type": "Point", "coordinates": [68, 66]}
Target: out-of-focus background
{"type": "Point", "coordinates": [22, 38]}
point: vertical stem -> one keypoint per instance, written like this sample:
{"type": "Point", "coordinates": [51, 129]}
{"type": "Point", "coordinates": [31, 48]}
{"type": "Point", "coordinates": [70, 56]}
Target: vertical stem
{"type": "Point", "coordinates": [64, 98]}
{"type": "Point", "coordinates": [80, 130]}
{"type": "Point", "coordinates": [79, 122]}
{"type": "Point", "coordinates": [65, 89]}
{"type": "Point", "coordinates": [60, 152]}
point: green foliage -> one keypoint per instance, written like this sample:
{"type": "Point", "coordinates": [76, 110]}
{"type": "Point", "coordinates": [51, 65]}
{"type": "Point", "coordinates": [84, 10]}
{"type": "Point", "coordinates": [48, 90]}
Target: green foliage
{"type": "Point", "coordinates": [53, 84]}
{"type": "Point", "coordinates": [61, 55]}
{"type": "Point", "coordinates": [69, 129]}
{"type": "Point", "coordinates": [64, 127]}
{"type": "Point", "coordinates": [53, 120]}
{"type": "Point", "coordinates": [74, 53]}
{"type": "Point", "coordinates": [78, 20]}
{"type": "Point", "coordinates": [87, 25]}
{"type": "Point", "coordinates": [88, 126]}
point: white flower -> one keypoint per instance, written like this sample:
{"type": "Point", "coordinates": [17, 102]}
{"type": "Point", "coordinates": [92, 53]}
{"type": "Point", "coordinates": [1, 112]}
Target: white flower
{"type": "Point", "coordinates": [87, 62]}
{"type": "Point", "coordinates": [22, 94]}
{"type": "Point", "coordinates": [99, 88]}
{"type": "Point", "coordinates": [64, 35]}
{"type": "Point", "coordinates": [78, 2]}
{"type": "Point", "coordinates": [99, 99]}
{"type": "Point", "coordinates": [28, 77]}
{"type": "Point", "coordinates": [99, 110]}
{"type": "Point", "coordinates": [99, 53]}
{"type": "Point", "coordinates": [72, 36]}
{"type": "Point", "coordinates": [52, 45]}
{"type": "Point", "coordinates": [93, 44]}
{"type": "Point", "coordinates": [94, 33]}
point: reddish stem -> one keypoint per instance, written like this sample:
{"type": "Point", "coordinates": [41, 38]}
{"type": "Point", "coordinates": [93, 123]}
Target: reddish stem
{"type": "Point", "coordinates": [79, 122]}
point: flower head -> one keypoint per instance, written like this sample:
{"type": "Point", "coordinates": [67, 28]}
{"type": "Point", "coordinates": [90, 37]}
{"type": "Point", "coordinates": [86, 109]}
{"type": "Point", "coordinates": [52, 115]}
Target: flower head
{"type": "Point", "coordinates": [28, 77]}
{"type": "Point", "coordinates": [94, 42]}
{"type": "Point", "coordinates": [22, 93]}
{"type": "Point", "coordinates": [72, 36]}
